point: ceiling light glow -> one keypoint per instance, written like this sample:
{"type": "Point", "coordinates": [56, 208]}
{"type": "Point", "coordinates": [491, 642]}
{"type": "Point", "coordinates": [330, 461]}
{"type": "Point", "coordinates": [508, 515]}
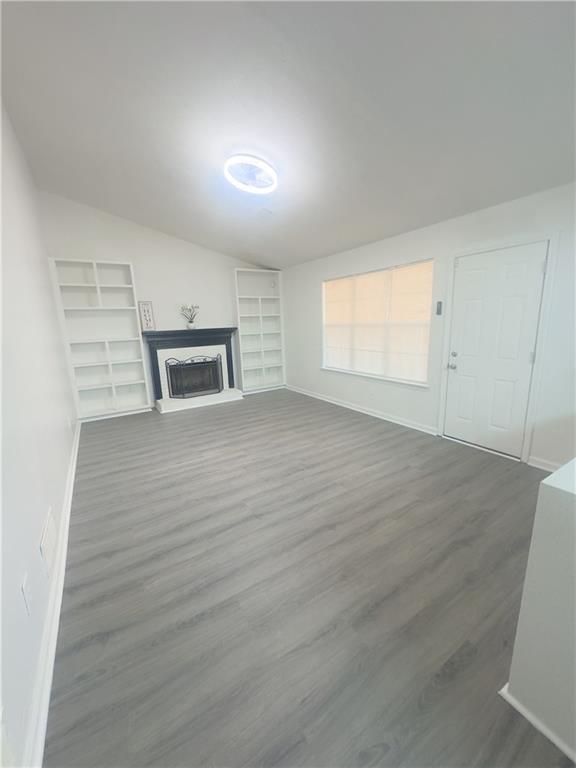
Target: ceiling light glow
{"type": "Point", "coordinates": [251, 174]}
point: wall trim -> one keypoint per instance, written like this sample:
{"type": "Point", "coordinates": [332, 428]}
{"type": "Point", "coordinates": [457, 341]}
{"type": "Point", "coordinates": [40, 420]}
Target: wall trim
{"type": "Point", "coordinates": [34, 746]}
{"type": "Point", "coordinates": [547, 466]}
{"type": "Point", "coordinates": [86, 419]}
{"type": "Point", "coordinates": [249, 392]}
{"type": "Point", "coordinates": [533, 461]}
{"type": "Point", "coordinates": [537, 723]}
{"type": "Point", "coordinates": [368, 411]}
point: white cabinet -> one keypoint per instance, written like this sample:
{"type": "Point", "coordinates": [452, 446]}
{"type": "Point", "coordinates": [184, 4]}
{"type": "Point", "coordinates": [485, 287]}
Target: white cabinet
{"type": "Point", "coordinates": [259, 299]}
{"type": "Point", "coordinates": [542, 684]}
{"type": "Point", "coordinates": [99, 315]}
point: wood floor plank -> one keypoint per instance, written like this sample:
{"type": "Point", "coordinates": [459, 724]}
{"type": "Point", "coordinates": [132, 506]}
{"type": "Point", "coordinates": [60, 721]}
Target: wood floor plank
{"type": "Point", "coordinates": [284, 582]}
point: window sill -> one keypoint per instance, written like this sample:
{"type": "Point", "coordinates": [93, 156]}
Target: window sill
{"type": "Point", "coordinates": [402, 382]}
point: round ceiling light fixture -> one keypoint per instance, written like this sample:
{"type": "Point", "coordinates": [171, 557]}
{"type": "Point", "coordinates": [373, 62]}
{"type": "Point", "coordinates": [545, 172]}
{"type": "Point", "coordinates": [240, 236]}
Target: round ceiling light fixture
{"type": "Point", "coordinates": [251, 174]}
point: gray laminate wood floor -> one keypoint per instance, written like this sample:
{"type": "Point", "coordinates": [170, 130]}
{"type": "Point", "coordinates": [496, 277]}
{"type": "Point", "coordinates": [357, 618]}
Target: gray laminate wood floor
{"type": "Point", "coordinates": [283, 582]}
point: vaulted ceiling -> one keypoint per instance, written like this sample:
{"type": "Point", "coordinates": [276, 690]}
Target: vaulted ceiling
{"type": "Point", "coordinates": [379, 117]}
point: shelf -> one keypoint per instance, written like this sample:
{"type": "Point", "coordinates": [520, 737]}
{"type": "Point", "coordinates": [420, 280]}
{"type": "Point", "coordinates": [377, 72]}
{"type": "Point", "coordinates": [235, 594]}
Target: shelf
{"type": "Point", "coordinates": [96, 341]}
{"type": "Point", "coordinates": [263, 367]}
{"type": "Point", "coordinates": [94, 285]}
{"type": "Point", "coordinates": [110, 274]}
{"type": "Point", "coordinates": [258, 292]}
{"type": "Point", "coordinates": [89, 387]}
{"type": "Point", "coordinates": [77, 285]}
{"type": "Point", "coordinates": [277, 298]}
{"type": "Point", "coordinates": [85, 297]}
{"type": "Point", "coordinates": [102, 323]}
{"type": "Point", "coordinates": [76, 272]}
{"type": "Point", "coordinates": [103, 341]}
{"type": "Point", "coordinates": [261, 314]}
{"type": "Point", "coordinates": [96, 309]}
{"type": "Point", "coordinates": [128, 383]}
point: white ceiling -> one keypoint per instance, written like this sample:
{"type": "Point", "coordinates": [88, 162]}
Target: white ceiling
{"type": "Point", "coordinates": [379, 117]}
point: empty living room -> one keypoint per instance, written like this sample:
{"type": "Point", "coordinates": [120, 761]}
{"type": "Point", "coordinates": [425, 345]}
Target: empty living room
{"type": "Point", "coordinates": [289, 384]}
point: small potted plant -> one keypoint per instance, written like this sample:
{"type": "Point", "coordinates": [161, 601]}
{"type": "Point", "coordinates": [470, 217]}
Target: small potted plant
{"type": "Point", "coordinates": [190, 312]}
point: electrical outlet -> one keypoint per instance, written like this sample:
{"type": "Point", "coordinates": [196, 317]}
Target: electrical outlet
{"type": "Point", "coordinates": [48, 541]}
{"type": "Point", "coordinates": [25, 595]}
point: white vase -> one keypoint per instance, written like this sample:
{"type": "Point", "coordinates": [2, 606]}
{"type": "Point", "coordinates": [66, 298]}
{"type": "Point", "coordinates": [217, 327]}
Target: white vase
{"type": "Point", "coordinates": [191, 326]}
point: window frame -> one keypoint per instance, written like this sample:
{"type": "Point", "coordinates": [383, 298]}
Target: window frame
{"type": "Point", "coordinates": [390, 379]}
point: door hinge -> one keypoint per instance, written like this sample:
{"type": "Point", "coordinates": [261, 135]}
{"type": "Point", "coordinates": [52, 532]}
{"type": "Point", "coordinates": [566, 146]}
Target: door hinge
{"type": "Point", "coordinates": [533, 356]}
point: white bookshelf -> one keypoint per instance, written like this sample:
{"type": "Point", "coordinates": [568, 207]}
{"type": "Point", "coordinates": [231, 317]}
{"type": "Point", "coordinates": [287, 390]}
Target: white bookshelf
{"type": "Point", "coordinates": [259, 301]}
{"type": "Point", "coordinates": [99, 315]}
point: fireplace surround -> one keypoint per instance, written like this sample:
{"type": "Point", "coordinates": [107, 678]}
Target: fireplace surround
{"type": "Point", "coordinates": [191, 368]}
{"type": "Point", "coordinates": [199, 337]}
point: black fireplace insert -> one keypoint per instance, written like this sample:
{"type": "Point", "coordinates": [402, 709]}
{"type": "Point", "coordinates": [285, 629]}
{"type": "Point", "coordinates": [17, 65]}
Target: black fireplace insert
{"type": "Point", "coordinates": [194, 376]}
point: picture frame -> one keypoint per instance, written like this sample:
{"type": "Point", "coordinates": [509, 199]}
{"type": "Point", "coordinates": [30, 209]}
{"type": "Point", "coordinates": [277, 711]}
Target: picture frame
{"type": "Point", "coordinates": [146, 316]}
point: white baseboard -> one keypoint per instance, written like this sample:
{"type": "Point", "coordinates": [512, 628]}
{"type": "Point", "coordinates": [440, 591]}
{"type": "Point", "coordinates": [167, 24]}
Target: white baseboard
{"type": "Point", "coordinates": [368, 411]}
{"type": "Point", "coordinates": [533, 461]}
{"type": "Point", "coordinates": [116, 415]}
{"type": "Point", "coordinates": [34, 747]}
{"type": "Point", "coordinates": [537, 723]}
{"type": "Point", "coordinates": [547, 466]}
{"type": "Point", "coordinates": [249, 392]}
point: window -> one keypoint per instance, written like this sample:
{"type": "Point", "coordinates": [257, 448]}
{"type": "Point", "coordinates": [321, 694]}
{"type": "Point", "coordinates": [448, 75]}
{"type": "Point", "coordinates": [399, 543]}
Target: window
{"type": "Point", "coordinates": [378, 323]}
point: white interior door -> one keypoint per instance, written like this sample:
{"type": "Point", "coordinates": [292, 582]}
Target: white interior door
{"type": "Point", "coordinates": [495, 312]}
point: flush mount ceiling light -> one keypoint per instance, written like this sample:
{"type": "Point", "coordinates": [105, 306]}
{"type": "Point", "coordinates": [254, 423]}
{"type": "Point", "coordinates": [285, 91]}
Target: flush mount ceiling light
{"type": "Point", "coordinates": [251, 174]}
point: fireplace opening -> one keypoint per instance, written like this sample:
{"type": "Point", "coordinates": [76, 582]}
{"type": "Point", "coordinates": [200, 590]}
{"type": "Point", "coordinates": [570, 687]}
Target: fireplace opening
{"type": "Point", "coordinates": [194, 376]}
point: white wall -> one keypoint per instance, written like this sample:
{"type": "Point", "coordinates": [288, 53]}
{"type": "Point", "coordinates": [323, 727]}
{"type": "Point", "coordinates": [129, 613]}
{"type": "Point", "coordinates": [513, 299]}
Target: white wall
{"type": "Point", "coordinates": [39, 422]}
{"type": "Point", "coordinates": [168, 271]}
{"type": "Point", "coordinates": [549, 213]}
{"type": "Point", "coordinates": [38, 446]}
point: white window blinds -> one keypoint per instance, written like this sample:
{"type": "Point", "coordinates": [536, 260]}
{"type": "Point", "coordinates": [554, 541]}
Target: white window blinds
{"type": "Point", "coordinates": [378, 323]}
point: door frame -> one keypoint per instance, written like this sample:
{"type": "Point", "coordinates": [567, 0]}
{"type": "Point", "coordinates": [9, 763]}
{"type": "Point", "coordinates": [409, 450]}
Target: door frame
{"type": "Point", "coordinates": [552, 240]}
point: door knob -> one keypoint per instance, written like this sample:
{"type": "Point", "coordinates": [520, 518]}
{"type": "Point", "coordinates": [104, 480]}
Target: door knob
{"type": "Point", "coordinates": [454, 354]}
{"type": "Point", "coordinates": [452, 366]}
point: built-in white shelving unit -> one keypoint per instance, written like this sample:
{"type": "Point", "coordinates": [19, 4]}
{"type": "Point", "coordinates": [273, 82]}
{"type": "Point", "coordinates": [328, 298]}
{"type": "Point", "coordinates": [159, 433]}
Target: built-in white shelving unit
{"type": "Point", "coordinates": [258, 293]}
{"type": "Point", "coordinates": [99, 316]}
